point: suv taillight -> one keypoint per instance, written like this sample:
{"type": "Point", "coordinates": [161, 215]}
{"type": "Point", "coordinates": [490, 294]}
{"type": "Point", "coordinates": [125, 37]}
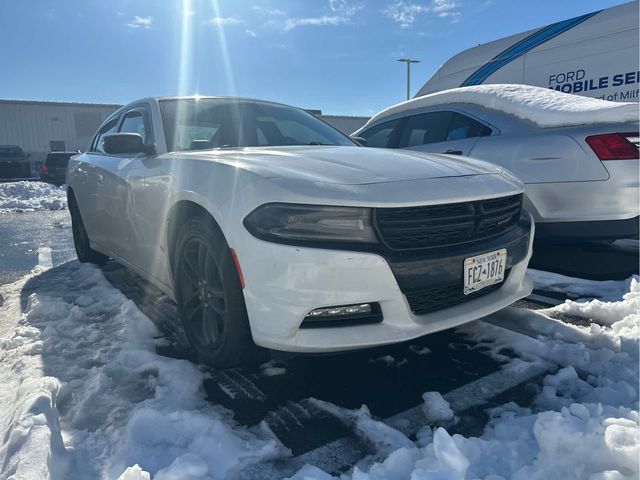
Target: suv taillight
{"type": "Point", "coordinates": [44, 170]}
{"type": "Point", "coordinates": [615, 146]}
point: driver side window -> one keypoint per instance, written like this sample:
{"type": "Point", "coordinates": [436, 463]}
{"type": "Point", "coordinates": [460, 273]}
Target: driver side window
{"type": "Point", "coordinates": [134, 122]}
{"type": "Point", "coordinates": [382, 135]}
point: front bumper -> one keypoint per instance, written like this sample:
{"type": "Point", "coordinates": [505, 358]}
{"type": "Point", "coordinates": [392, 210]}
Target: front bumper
{"type": "Point", "coordinates": [284, 283]}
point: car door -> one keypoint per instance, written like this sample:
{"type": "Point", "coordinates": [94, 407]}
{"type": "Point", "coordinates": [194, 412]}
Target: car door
{"type": "Point", "coordinates": [119, 187]}
{"type": "Point", "coordinates": [148, 183]}
{"type": "Point", "coordinates": [86, 174]}
{"type": "Point", "coordinates": [442, 132]}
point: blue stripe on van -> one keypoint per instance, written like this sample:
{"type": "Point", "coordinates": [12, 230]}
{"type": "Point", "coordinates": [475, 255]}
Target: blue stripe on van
{"type": "Point", "coordinates": [523, 46]}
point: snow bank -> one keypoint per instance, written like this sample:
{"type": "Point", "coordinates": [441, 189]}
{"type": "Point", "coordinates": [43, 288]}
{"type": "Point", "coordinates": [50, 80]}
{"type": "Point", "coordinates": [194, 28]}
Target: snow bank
{"type": "Point", "coordinates": [84, 395]}
{"type": "Point", "coordinates": [579, 287]}
{"type": "Point", "coordinates": [26, 196]}
{"type": "Point", "coordinates": [583, 424]}
{"type": "Point", "coordinates": [542, 106]}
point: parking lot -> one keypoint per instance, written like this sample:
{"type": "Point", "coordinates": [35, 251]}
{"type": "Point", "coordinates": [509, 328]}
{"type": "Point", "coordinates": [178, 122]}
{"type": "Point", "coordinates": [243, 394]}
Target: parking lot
{"type": "Point", "coordinates": [330, 240]}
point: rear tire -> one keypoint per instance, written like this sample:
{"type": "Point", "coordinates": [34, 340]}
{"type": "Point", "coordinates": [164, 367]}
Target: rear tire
{"type": "Point", "coordinates": [85, 253]}
{"type": "Point", "coordinates": [209, 296]}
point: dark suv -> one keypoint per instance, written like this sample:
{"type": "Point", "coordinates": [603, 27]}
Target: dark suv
{"type": "Point", "coordinates": [14, 163]}
{"type": "Point", "coordinates": [54, 168]}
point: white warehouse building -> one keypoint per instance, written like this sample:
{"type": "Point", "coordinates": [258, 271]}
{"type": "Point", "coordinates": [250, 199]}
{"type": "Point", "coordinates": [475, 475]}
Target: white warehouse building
{"type": "Point", "coordinates": [39, 127]}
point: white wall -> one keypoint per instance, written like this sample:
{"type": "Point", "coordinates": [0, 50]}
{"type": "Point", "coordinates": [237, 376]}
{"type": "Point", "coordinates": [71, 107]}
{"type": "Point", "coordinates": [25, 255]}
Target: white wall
{"type": "Point", "coordinates": [32, 125]}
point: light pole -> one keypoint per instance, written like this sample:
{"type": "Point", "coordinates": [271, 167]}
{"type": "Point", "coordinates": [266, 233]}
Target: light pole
{"type": "Point", "coordinates": [408, 61]}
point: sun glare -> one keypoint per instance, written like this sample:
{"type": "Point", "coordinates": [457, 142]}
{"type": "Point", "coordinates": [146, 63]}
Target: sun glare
{"type": "Point", "coordinates": [225, 64]}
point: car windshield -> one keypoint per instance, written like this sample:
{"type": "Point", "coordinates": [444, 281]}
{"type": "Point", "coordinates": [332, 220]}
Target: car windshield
{"type": "Point", "coordinates": [195, 124]}
{"type": "Point", "coordinates": [11, 151]}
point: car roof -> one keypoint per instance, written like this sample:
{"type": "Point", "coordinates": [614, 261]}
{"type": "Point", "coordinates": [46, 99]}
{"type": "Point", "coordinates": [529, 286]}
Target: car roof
{"type": "Point", "coordinates": [543, 107]}
{"type": "Point", "coordinates": [215, 97]}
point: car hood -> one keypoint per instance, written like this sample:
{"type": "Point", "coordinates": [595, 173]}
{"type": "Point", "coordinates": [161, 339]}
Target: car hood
{"type": "Point", "coordinates": [346, 165]}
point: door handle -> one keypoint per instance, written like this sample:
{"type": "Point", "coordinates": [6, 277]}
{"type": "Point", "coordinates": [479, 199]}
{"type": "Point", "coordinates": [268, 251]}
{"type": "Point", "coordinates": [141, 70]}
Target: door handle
{"type": "Point", "coordinates": [100, 179]}
{"type": "Point", "coordinates": [453, 152]}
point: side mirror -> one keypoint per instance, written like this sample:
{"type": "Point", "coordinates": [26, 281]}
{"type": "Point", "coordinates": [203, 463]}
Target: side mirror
{"type": "Point", "coordinates": [117, 143]}
{"type": "Point", "coordinates": [360, 141]}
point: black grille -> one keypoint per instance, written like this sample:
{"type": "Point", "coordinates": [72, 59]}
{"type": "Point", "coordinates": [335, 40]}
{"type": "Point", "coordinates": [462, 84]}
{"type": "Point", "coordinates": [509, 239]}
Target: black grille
{"type": "Point", "coordinates": [411, 228]}
{"type": "Point", "coordinates": [432, 299]}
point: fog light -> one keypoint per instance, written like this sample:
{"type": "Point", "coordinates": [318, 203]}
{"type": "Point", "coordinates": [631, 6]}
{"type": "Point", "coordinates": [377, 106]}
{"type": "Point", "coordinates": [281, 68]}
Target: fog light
{"type": "Point", "coordinates": [361, 309]}
{"type": "Point", "coordinates": [342, 316]}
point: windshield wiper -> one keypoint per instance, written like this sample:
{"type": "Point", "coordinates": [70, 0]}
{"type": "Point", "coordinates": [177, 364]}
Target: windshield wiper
{"type": "Point", "coordinates": [315, 143]}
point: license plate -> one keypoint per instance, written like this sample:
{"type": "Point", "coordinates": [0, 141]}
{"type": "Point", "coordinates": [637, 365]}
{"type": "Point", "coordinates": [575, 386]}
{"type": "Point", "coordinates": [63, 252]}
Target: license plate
{"type": "Point", "coordinates": [484, 270]}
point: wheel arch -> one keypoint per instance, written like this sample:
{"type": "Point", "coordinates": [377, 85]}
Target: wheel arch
{"type": "Point", "coordinates": [179, 212]}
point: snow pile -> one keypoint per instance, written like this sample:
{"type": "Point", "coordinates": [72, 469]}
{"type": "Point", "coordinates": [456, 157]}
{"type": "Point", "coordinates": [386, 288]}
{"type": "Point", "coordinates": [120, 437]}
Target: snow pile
{"type": "Point", "coordinates": [583, 423]}
{"type": "Point", "coordinates": [26, 196]}
{"type": "Point", "coordinates": [579, 287]}
{"type": "Point", "coordinates": [435, 408]}
{"type": "Point", "coordinates": [84, 395]}
{"type": "Point", "coordinates": [542, 106]}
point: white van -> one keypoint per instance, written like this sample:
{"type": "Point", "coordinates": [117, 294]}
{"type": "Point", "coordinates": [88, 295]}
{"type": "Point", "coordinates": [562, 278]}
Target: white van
{"type": "Point", "coordinates": [595, 55]}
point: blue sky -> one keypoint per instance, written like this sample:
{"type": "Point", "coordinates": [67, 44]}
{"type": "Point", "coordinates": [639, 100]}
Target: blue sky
{"type": "Point", "coordinates": [335, 55]}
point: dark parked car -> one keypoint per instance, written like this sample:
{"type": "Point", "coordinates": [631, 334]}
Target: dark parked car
{"type": "Point", "coordinates": [14, 163]}
{"type": "Point", "coordinates": [54, 168]}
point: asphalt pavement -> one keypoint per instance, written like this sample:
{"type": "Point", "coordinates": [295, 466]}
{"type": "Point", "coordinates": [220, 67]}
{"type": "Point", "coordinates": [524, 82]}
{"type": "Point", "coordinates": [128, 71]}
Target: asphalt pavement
{"type": "Point", "coordinates": [24, 234]}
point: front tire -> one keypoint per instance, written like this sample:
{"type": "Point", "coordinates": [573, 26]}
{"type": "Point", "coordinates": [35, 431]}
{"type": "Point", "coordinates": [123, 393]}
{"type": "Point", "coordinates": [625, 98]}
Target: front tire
{"type": "Point", "coordinates": [209, 296]}
{"type": "Point", "coordinates": [85, 253]}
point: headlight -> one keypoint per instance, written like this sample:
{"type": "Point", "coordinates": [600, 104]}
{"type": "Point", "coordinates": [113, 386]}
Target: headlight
{"type": "Point", "coordinates": [295, 224]}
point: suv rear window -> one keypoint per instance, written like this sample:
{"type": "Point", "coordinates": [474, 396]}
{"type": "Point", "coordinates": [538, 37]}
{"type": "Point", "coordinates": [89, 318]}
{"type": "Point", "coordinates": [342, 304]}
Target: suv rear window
{"type": "Point", "coordinates": [58, 159]}
{"type": "Point", "coordinates": [13, 152]}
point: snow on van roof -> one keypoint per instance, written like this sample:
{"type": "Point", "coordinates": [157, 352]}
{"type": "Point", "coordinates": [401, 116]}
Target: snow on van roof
{"type": "Point", "coordinates": [542, 106]}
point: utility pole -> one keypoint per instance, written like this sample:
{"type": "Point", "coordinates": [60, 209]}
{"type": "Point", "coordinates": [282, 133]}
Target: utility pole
{"type": "Point", "coordinates": [408, 61]}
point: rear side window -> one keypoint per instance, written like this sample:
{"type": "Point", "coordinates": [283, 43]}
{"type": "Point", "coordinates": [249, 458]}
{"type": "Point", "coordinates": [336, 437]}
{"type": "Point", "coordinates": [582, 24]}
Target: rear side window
{"type": "Point", "coordinates": [465, 127]}
{"type": "Point", "coordinates": [381, 135]}
{"type": "Point", "coordinates": [109, 127]}
{"type": "Point", "coordinates": [425, 128]}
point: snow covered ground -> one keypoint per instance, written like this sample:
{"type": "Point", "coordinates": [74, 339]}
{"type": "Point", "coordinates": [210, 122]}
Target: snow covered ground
{"type": "Point", "coordinates": [28, 195]}
{"type": "Point", "coordinates": [583, 424]}
{"type": "Point", "coordinates": [84, 395]}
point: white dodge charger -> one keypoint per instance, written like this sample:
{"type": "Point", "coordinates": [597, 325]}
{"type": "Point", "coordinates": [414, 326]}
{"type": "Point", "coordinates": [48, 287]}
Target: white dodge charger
{"type": "Point", "coordinates": [269, 227]}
